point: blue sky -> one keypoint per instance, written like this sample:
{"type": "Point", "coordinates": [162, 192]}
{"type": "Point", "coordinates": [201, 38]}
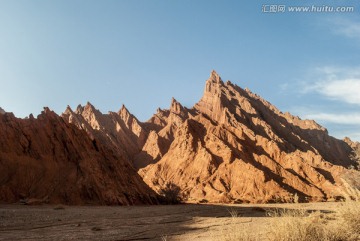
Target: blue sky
{"type": "Point", "coordinates": [143, 52]}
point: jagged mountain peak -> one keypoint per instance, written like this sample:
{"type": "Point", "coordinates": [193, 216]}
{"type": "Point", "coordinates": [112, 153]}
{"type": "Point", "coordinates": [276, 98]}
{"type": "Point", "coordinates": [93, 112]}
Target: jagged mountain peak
{"type": "Point", "coordinates": [124, 111]}
{"type": "Point", "coordinates": [68, 110]}
{"type": "Point", "coordinates": [90, 107]}
{"type": "Point", "coordinates": [176, 107]}
{"type": "Point", "coordinates": [127, 116]}
{"type": "Point", "coordinates": [88, 110]}
{"type": "Point", "coordinates": [48, 113]}
{"type": "Point", "coordinates": [79, 109]}
{"type": "Point", "coordinates": [159, 110]}
{"type": "Point", "coordinates": [2, 111]}
{"type": "Point", "coordinates": [213, 101]}
{"type": "Point", "coordinates": [353, 144]}
{"type": "Point", "coordinates": [213, 84]}
{"type": "Point", "coordinates": [215, 77]}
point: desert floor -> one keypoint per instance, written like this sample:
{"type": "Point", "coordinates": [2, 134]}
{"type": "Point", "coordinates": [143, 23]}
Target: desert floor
{"type": "Point", "coordinates": [172, 222]}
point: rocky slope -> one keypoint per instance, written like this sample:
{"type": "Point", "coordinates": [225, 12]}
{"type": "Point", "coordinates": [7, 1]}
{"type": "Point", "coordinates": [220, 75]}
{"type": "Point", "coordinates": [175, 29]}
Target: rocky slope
{"type": "Point", "coordinates": [2, 111]}
{"type": "Point", "coordinates": [238, 147]}
{"type": "Point", "coordinates": [120, 131]}
{"type": "Point", "coordinates": [232, 146]}
{"type": "Point", "coordinates": [50, 161]}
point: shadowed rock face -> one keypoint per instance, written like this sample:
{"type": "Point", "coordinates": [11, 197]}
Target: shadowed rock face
{"type": "Point", "coordinates": [2, 111]}
{"type": "Point", "coordinates": [47, 160]}
{"type": "Point", "coordinates": [120, 131]}
{"type": "Point", "coordinates": [231, 146]}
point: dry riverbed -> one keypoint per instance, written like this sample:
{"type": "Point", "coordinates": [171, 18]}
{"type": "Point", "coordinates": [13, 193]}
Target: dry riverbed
{"type": "Point", "coordinates": [172, 222]}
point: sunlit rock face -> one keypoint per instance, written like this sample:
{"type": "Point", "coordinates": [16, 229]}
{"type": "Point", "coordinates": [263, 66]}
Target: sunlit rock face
{"type": "Point", "coordinates": [233, 146]}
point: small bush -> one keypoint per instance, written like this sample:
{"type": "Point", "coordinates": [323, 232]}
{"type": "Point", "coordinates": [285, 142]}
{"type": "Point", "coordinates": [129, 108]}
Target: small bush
{"type": "Point", "coordinates": [233, 212]}
{"type": "Point", "coordinates": [171, 193]}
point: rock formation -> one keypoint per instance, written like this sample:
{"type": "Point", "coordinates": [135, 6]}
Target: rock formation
{"type": "Point", "coordinates": [232, 146]}
{"type": "Point", "coordinates": [120, 131]}
{"type": "Point", "coordinates": [2, 111]}
{"type": "Point", "coordinates": [235, 146]}
{"type": "Point", "coordinates": [49, 161]}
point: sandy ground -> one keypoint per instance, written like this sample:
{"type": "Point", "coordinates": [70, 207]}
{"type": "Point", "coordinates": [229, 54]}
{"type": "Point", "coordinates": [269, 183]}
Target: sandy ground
{"type": "Point", "coordinates": [176, 222]}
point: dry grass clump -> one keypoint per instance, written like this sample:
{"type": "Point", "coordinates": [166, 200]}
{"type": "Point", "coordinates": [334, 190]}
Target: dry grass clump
{"type": "Point", "coordinates": [164, 238]}
{"type": "Point", "coordinates": [296, 225]}
{"type": "Point", "coordinates": [237, 233]}
{"type": "Point", "coordinates": [234, 213]}
{"type": "Point", "coordinates": [343, 224]}
{"type": "Point", "coordinates": [301, 225]}
{"type": "Point", "coordinates": [349, 213]}
{"type": "Point", "coordinates": [236, 229]}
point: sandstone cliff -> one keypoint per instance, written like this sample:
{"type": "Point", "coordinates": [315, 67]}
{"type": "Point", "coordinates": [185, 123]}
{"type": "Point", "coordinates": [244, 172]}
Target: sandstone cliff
{"type": "Point", "coordinates": [232, 146]}
{"type": "Point", "coordinates": [235, 146]}
{"type": "Point", "coordinates": [49, 161]}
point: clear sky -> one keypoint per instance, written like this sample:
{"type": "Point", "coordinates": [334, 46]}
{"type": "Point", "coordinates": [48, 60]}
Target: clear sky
{"type": "Point", "coordinates": [143, 52]}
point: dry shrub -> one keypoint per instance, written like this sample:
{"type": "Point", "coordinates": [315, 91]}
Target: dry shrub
{"type": "Point", "coordinates": [300, 225]}
{"type": "Point", "coordinates": [164, 238]}
{"type": "Point", "coordinates": [233, 212]}
{"type": "Point", "coordinates": [235, 229]}
{"type": "Point", "coordinates": [236, 232]}
{"type": "Point", "coordinates": [170, 193]}
{"type": "Point", "coordinates": [304, 225]}
{"type": "Point", "coordinates": [349, 215]}
{"type": "Point", "coordinates": [296, 225]}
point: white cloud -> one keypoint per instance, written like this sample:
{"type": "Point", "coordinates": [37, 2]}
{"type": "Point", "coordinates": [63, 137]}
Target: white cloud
{"type": "Point", "coordinates": [346, 27]}
{"type": "Point", "coordinates": [354, 136]}
{"type": "Point", "coordinates": [343, 124]}
{"type": "Point", "coordinates": [337, 83]}
{"type": "Point", "coordinates": [284, 86]}
{"type": "Point", "coordinates": [347, 90]}
{"type": "Point", "coordinates": [347, 119]}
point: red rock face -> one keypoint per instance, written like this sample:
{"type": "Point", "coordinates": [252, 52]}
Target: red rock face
{"type": "Point", "coordinates": [232, 146]}
{"type": "Point", "coordinates": [235, 146]}
{"type": "Point", "coordinates": [47, 160]}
